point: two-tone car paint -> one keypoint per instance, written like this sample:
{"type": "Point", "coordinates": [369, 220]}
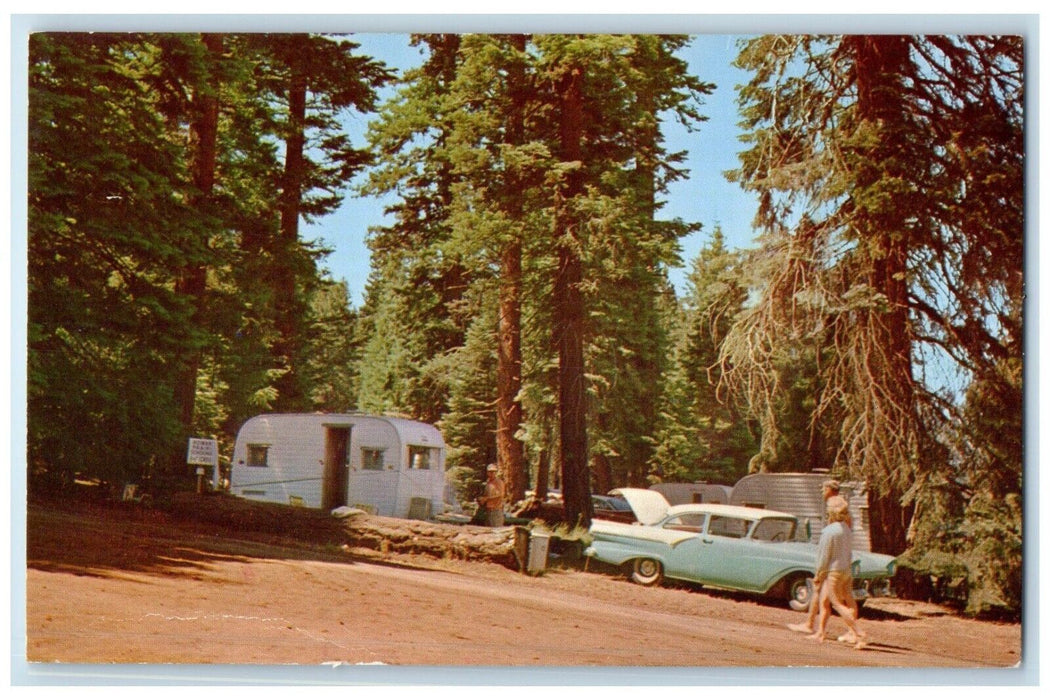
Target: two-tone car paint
{"type": "Point", "coordinates": [736, 547]}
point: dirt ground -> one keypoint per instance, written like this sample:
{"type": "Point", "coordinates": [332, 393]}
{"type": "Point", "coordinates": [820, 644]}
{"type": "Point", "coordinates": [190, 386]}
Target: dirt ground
{"type": "Point", "coordinates": [128, 585]}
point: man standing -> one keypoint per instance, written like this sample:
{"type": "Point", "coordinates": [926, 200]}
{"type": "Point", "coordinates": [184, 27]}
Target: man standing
{"type": "Point", "coordinates": [492, 499]}
{"type": "Point", "coordinates": [834, 576]}
{"type": "Point", "coordinates": [831, 489]}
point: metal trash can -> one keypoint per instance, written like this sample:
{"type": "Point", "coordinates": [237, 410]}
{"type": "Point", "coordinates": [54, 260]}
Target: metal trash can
{"type": "Point", "coordinates": [539, 543]}
{"type": "Point", "coordinates": [419, 509]}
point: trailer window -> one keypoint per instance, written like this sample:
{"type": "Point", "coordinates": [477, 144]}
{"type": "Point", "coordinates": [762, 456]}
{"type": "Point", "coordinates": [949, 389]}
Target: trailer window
{"type": "Point", "coordinates": [258, 455]}
{"type": "Point", "coordinates": [419, 457]}
{"type": "Point", "coordinates": [371, 458]}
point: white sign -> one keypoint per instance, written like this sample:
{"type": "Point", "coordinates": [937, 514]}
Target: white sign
{"type": "Point", "coordinates": [203, 451]}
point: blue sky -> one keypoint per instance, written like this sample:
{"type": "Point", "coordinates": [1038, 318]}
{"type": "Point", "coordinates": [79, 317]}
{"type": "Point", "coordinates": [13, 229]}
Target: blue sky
{"type": "Point", "coordinates": [706, 197]}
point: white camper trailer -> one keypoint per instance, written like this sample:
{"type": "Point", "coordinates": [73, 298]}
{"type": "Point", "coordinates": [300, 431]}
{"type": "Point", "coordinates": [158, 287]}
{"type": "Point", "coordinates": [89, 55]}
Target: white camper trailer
{"type": "Point", "coordinates": [388, 466]}
{"type": "Point", "coordinates": [801, 494]}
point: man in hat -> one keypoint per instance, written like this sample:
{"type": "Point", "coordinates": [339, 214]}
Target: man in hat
{"type": "Point", "coordinates": [492, 499]}
{"type": "Point", "coordinates": [830, 489]}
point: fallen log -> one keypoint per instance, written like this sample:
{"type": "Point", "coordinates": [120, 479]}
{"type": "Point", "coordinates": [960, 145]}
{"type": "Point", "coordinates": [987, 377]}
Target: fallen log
{"type": "Point", "coordinates": [502, 545]}
{"type": "Point", "coordinates": [352, 528]}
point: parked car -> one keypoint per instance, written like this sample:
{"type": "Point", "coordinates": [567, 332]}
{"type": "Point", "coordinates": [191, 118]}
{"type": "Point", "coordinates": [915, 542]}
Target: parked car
{"type": "Point", "coordinates": [735, 547]}
{"type": "Point", "coordinates": [612, 508]}
{"type": "Point", "coordinates": [553, 510]}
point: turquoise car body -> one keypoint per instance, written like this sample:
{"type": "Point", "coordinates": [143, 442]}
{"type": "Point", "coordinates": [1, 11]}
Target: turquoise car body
{"type": "Point", "coordinates": [734, 547]}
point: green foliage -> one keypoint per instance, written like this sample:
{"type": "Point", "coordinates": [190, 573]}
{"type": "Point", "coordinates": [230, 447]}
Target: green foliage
{"type": "Point", "coordinates": [471, 146]}
{"type": "Point", "coordinates": [891, 266]}
{"type": "Point", "coordinates": [969, 528]}
{"type": "Point", "coordinates": [468, 423]}
{"type": "Point", "coordinates": [890, 262]}
{"type": "Point", "coordinates": [627, 343]}
{"type": "Point", "coordinates": [973, 555]}
{"type": "Point", "coordinates": [404, 326]}
{"type": "Point", "coordinates": [313, 80]}
{"type": "Point", "coordinates": [705, 433]}
{"type": "Point", "coordinates": [331, 356]}
{"type": "Point", "coordinates": [152, 253]}
{"type": "Point", "coordinates": [105, 325]}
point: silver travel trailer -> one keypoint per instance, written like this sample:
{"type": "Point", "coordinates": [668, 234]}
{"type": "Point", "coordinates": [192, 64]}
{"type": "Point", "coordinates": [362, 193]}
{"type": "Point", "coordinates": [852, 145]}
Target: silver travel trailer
{"type": "Point", "coordinates": [681, 493]}
{"type": "Point", "coordinates": [801, 494]}
{"type": "Point", "coordinates": [387, 466]}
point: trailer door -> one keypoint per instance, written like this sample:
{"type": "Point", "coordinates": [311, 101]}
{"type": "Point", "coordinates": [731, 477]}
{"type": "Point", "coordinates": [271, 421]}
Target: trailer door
{"type": "Point", "coordinates": [336, 466]}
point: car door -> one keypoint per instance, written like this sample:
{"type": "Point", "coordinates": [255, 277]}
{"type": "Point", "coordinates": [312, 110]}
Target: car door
{"type": "Point", "coordinates": [680, 559]}
{"type": "Point", "coordinates": [720, 554]}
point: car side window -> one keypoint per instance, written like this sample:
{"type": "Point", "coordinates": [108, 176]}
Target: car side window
{"type": "Point", "coordinates": [725, 526]}
{"type": "Point", "coordinates": [774, 530]}
{"type": "Point", "coordinates": [687, 522]}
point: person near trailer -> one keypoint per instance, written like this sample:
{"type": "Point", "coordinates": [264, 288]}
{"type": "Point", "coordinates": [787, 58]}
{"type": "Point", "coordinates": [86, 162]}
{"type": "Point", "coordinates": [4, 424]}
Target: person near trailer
{"type": "Point", "coordinates": [834, 577]}
{"type": "Point", "coordinates": [829, 489]}
{"type": "Point", "coordinates": [491, 500]}
{"type": "Point", "coordinates": [832, 489]}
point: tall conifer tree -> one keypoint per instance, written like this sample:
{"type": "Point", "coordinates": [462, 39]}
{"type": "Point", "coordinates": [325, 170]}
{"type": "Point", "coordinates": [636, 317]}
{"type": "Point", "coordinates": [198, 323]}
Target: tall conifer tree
{"type": "Point", "coordinates": [890, 171]}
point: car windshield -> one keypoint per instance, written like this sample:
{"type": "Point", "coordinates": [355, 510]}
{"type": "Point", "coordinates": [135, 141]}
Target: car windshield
{"type": "Point", "coordinates": [775, 530]}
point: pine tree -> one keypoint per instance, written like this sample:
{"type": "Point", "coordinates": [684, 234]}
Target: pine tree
{"type": "Point", "coordinates": [890, 175]}
{"type": "Point", "coordinates": [203, 108]}
{"type": "Point", "coordinates": [708, 435]}
{"type": "Point", "coordinates": [493, 184]}
{"type": "Point", "coordinates": [413, 311]}
{"type": "Point", "coordinates": [114, 209]}
{"type": "Point", "coordinates": [490, 106]}
{"type": "Point", "coordinates": [316, 79]}
{"type": "Point", "coordinates": [610, 172]}
{"type": "Point", "coordinates": [331, 352]}
{"type": "Point", "coordinates": [153, 216]}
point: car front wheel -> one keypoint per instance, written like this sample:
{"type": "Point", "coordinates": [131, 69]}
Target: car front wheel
{"type": "Point", "coordinates": [646, 572]}
{"type": "Point", "coordinates": [799, 592]}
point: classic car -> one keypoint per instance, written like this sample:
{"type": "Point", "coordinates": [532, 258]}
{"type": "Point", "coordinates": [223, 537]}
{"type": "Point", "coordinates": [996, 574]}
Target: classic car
{"type": "Point", "coordinates": [734, 547]}
{"type": "Point", "coordinates": [609, 507]}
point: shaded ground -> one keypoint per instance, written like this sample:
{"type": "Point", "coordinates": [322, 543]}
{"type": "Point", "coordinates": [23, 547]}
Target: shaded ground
{"type": "Point", "coordinates": [234, 583]}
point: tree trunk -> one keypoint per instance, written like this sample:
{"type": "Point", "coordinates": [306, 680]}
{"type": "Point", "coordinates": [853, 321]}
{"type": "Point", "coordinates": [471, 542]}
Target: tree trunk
{"type": "Point", "coordinates": [568, 309]}
{"type": "Point", "coordinates": [510, 451]}
{"type": "Point", "coordinates": [884, 230]}
{"type": "Point", "coordinates": [543, 471]}
{"type": "Point", "coordinates": [603, 475]}
{"type": "Point", "coordinates": [288, 309]}
{"type": "Point", "coordinates": [646, 365]}
{"type": "Point", "coordinates": [191, 281]}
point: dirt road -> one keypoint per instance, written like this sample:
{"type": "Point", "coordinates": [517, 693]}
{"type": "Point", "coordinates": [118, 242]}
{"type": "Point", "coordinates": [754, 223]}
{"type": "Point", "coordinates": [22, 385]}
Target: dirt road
{"type": "Point", "coordinates": [141, 589]}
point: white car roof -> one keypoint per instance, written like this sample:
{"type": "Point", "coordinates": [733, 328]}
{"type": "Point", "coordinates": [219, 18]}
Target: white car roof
{"type": "Point", "coordinates": [727, 510]}
{"type": "Point", "coordinates": [650, 507]}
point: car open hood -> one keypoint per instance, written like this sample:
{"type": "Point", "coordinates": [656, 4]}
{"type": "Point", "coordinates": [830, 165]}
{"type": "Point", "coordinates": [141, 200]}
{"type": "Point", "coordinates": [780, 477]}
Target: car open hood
{"type": "Point", "coordinates": [650, 507]}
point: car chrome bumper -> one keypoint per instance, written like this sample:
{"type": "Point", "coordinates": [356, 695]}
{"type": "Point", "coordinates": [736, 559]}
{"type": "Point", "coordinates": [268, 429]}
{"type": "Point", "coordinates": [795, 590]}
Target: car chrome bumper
{"type": "Point", "coordinates": [872, 588]}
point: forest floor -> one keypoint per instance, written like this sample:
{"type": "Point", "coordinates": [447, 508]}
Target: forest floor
{"type": "Point", "coordinates": [113, 583]}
